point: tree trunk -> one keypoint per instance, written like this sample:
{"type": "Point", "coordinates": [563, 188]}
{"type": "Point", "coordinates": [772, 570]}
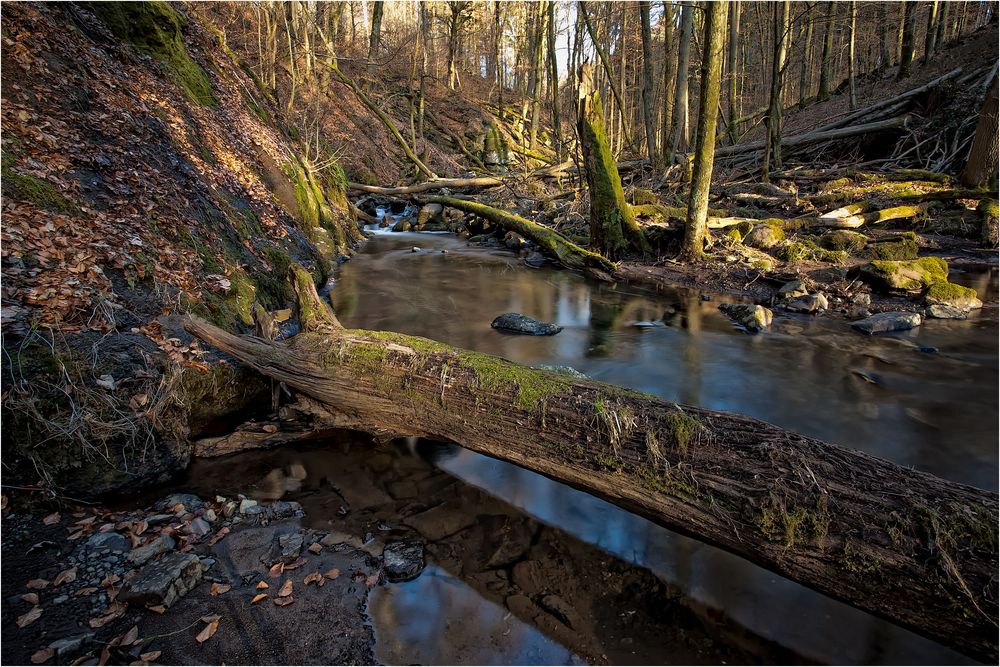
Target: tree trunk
{"type": "Point", "coordinates": [930, 43]}
{"type": "Point", "coordinates": [815, 136]}
{"type": "Point", "coordinates": [733, 66]}
{"type": "Point", "coordinates": [669, 74]}
{"type": "Point", "coordinates": [708, 114]}
{"type": "Point", "coordinates": [909, 22]}
{"type": "Point", "coordinates": [605, 64]}
{"type": "Point", "coordinates": [805, 76]}
{"type": "Point", "coordinates": [538, 40]}
{"type": "Point", "coordinates": [827, 57]}
{"type": "Point", "coordinates": [898, 543]}
{"type": "Point", "coordinates": [557, 140]}
{"type": "Point", "coordinates": [613, 228]}
{"type": "Point", "coordinates": [648, 85]}
{"type": "Point", "coordinates": [883, 43]}
{"type": "Point", "coordinates": [942, 26]}
{"type": "Point", "coordinates": [772, 152]}
{"type": "Point", "coordinates": [851, 56]}
{"type": "Point", "coordinates": [679, 130]}
{"type": "Point", "coordinates": [550, 241]}
{"type": "Point", "coordinates": [375, 38]}
{"type": "Point", "coordinates": [982, 164]}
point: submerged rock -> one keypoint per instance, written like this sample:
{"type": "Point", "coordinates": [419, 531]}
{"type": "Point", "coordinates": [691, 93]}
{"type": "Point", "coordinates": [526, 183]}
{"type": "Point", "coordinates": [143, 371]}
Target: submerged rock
{"type": "Point", "coordinates": [403, 560]}
{"type": "Point", "coordinates": [940, 311]}
{"type": "Point", "coordinates": [164, 581]}
{"type": "Point", "coordinates": [751, 317]}
{"type": "Point", "coordinates": [534, 259]}
{"type": "Point", "coordinates": [522, 324]}
{"type": "Point", "coordinates": [883, 322]}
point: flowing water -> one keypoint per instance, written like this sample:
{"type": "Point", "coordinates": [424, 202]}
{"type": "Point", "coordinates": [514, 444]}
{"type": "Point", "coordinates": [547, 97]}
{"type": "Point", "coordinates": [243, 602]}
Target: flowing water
{"type": "Point", "coordinates": [925, 398]}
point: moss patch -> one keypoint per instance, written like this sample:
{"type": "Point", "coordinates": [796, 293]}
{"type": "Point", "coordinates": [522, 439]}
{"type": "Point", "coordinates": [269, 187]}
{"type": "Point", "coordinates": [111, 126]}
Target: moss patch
{"type": "Point", "coordinates": [38, 191]}
{"type": "Point", "coordinates": [905, 247]}
{"type": "Point", "coordinates": [530, 387]}
{"type": "Point", "coordinates": [906, 275]}
{"type": "Point", "coordinates": [155, 28]}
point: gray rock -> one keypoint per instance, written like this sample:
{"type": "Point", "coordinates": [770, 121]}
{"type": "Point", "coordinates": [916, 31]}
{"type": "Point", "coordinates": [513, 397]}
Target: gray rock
{"type": "Point", "coordinates": [792, 290]}
{"type": "Point", "coordinates": [403, 560]}
{"type": "Point", "coordinates": [210, 516]}
{"type": "Point", "coordinates": [562, 610]}
{"type": "Point", "coordinates": [522, 324]}
{"type": "Point", "coordinates": [144, 553]}
{"type": "Point", "coordinates": [529, 577]}
{"type": "Point", "coordinates": [157, 519]}
{"type": "Point", "coordinates": [191, 502]}
{"type": "Point", "coordinates": [246, 504]}
{"type": "Point", "coordinates": [111, 541]}
{"type": "Point", "coordinates": [284, 548]}
{"type": "Point", "coordinates": [164, 581]}
{"type": "Point", "coordinates": [941, 311]}
{"type": "Point", "coordinates": [808, 304]}
{"type": "Point", "coordinates": [514, 241]}
{"type": "Point", "coordinates": [67, 648]}
{"type": "Point", "coordinates": [763, 237]}
{"type": "Point", "coordinates": [198, 527]}
{"type": "Point", "coordinates": [751, 317]}
{"type": "Point", "coordinates": [882, 322]}
{"type": "Point", "coordinates": [535, 259]}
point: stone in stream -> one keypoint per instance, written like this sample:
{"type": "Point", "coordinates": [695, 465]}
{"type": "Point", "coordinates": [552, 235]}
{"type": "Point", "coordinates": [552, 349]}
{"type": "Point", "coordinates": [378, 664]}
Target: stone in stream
{"type": "Point", "coordinates": [164, 581]}
{"type": "Point", "coordinates": [284, 549]}
{"type": "Point", "coordinates": [522, 324]}
{"type": "Point", "coordinates": [940, 311]}
{"type": "Point", "coordinates": [792, 290]}
{"type": "Point", "coordinates": [403, 560]}
{"type": "Point", "coordinates": [112, 541]}
{"type": "Point", "coordinates": [534, 259]}
{"type": "Point", "coordinates": [883, 322]}
{"type": "Point", "coordinates": [751, 317]}
{"type": "Point", "coordinates": [142, 554]}
{"type": "Point", "coordinates": [808, 304]}
{"type": "Point", "coordinates": [943, 293]}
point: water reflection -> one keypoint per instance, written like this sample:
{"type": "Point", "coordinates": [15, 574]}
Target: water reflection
{"type": "Point", "coordinates": [926, 398]}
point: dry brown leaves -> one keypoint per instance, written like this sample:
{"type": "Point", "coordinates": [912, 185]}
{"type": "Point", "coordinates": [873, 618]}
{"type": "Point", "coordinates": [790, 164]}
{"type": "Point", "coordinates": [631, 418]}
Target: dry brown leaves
{"type": "Point", "coordinates": [219, 589]}
{"type": "Point", "coordinates": [42, 655]}
{"type": "Point", "coordinates": [27, 619]}
{"type": "Point", "coordinates": [209, 629]}
{"type": "Point", "coordinates": [65, 577]}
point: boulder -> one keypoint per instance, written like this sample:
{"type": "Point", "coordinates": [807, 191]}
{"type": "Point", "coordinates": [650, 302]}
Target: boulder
{"type": "Point", "coordinates": [883, 322]}
{"type": "Point", "coordinates": [402, 225]}
{"type": "Point", "coordinates": [793, 289]}
{"type": "Point", "coordinates": [808, 304]}
{"type": "Point", "coordinates": [284, 548]}
{"type": "Point", "coordinates": [751, 317]}
{"type": "Point", "coordinates": [949, 294]}
{"type": "Point", "coordinates": [844, 239]}
{"type": "Point", "coordinates": [905, 275]}
{"type": "Point", "coordinates": [428, 213]}
{"type": "Point", "coordinates": [403, 560]}
{"type": "Point", "coordinates": [164, 581]}
{"type": "Point", "coordinates": [522, 324]}
{"type": "Point", "coordinates": [763, 237]}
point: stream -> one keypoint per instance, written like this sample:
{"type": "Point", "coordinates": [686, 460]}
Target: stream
{"type": "Point", "coordinates": [925, 398]}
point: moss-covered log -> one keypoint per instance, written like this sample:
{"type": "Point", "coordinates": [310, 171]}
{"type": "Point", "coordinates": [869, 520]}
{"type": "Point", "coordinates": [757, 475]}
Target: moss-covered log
{"type": "Point", "coordinates": [852, 526]}
{"type": "Point", "coordinates": [858, 215]}
{"type": "Point", "coordinates": [551, 241]}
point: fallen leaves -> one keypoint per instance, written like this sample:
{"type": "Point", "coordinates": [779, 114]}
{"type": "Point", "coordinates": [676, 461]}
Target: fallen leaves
{"type": "Point", "coordinates": [38, 584]}
{"type": "Point", "coordinates": [38, 657]}
{"type": "Point", "coordinates": [332, 573]}
{"type": "Point", "coordinates": [157, 608]}
{"type": "Point", "coordinates": [52, 518]}
{"type": "Point", "coordinates": [114, 611]}
{"type": "Point", "coordinates": [295, 564]}
{"type": "Point", "coordinates": [257, 598]}
{"type": "Point", "coordinates": [261, 585]}
{"type": "Point", "coordinates": [284, 601]}
{"type": "Point", "coordinates": [150, 656]}
{"type": "Point", "coordinates": [27, 619]}
{"type": "Point", "coordinates": [89, 590]}
{"type": "Point", "coordinates": [315, 548]}
{"type": "Point", "coordinates": [276, 570]}
{"type": "Point", "coordinates": [286, 588]}
{"type": "Point", "coordinates": [218, 536]}
{"type": "Point", "coordinates": [219, 589]}
{"type": "Point", "coordinates": [65, 577]}
{"type": "Point", "coordinates": [207, 633]}
{"type": "Point", "coordinates": [314, 578]}
{"type": "Point", "coordinates": [130, 637]}
{"type": "Point", "coordinates": [30, 598]}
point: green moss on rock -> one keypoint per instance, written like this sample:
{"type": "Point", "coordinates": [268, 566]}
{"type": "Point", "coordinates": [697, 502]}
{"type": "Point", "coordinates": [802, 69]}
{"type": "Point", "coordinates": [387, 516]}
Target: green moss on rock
{"type": "Point", "coordinates": [949, 294]}
{"type": "Point", "coordinates": [155, 28]}
{"type": "Point", "coordinates": [905, 275]}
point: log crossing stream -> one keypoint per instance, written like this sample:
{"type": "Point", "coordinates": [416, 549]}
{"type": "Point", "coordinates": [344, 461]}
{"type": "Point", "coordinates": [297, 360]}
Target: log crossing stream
{"type": "Point", "coordinates": [925, 398]}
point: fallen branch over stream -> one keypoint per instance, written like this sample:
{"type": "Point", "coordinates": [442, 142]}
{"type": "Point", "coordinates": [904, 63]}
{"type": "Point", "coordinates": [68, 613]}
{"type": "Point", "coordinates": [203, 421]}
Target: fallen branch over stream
{"type": "Point", "coordinates": [901, 544]}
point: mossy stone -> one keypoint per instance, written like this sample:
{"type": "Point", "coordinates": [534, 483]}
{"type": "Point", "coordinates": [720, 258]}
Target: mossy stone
{"type": "Point", "coordinates": [905, 275]}
{"type": "Point", "coordinates": [949, 294]}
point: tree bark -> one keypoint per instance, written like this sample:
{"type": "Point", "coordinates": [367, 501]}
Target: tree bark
{"type": "Point", "coordinates": [782, 32]}
{"type": "Point", "coordinates": [375, 37]}
{"type": "Point", "coordinates": [982, 164]}
{"type": "Point", "coordinates": [603, 57]}
{"type": "Point", "coordinates": [557, 140]}
{"type": "Point", "coordinates": [733, 76]}
{"type": "Point", "coordinates": [930, 43]}
{"type": "Point", "coordinates": [851, 56]}
{"type": "Point", "coordinates": [898, 543]}
{"type": "Point", "coordinates": [909, 22]}
{"type": "Point", "coordinates": [679, 129]}
{"type": "Point", "coordinates": [883, 42]}
{"type": "Point", "coordinates": [613, 228]}
{"type": "Point", "coordinates": [827, 55]}
{"type": "Point", "coordinates": [669, 74]}
{"type": "Point", "coordinates": [805, 76]}
{"type": "Point", "coordinates": [648, 85]}
{"type": "Point", "coordinates": [708, 114]}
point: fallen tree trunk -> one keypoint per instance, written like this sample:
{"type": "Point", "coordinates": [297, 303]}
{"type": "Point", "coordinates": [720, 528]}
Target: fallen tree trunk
{"type": "Point", "coordinates": [902, 544]}
{"type": "Point", "coordinates": [813, 137]}
{"type": "Point", "coordinates": [551, 241]}
{"type": "Point", "coordinates": [427, 186]}
{"type": "Point", "coordinates": [857, 215]}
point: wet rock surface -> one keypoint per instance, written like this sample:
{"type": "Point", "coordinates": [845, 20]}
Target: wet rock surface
{"type": "Point", "coordinates": [403, 560]}
{"type": "Point", "coordinates": [886, 322]}
{"type": "Point", "coordinates": [751, 317]}
{"type": "Point", "coordinates": [164, 581]}
{"type": "Point", "coordinates": [515, 323]}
